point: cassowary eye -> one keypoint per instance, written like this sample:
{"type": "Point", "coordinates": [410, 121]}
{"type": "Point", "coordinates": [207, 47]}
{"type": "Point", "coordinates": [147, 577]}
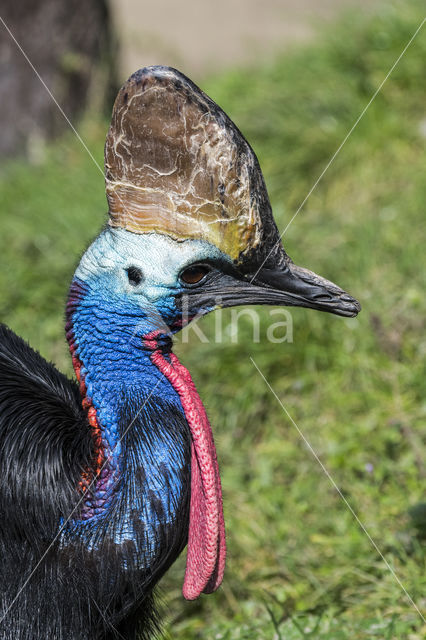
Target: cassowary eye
{"type": "Point", "coordinates": [134, 275]}
{"type": "Point", "coordinates": [194, 274]}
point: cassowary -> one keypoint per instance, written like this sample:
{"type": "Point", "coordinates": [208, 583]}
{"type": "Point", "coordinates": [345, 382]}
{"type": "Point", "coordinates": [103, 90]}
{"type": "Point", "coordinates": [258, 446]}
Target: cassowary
{"type": "Point", "coordinates": [104, 482]}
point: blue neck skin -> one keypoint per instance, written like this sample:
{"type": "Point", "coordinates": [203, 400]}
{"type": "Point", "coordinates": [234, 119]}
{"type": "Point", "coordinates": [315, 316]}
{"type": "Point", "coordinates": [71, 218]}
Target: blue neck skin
{"type": "Point", "coordinates": [106, 336]}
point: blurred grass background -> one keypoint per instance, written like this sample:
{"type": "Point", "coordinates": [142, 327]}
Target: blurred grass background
{"type": "Point", "coordinates": [299, 565]}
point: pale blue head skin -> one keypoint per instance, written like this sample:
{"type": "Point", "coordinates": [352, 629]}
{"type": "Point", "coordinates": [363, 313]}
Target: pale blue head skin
{"type": "Point", "coordinates": [110, 316]}
{"type": "Point", "coordinates": [161, 260]}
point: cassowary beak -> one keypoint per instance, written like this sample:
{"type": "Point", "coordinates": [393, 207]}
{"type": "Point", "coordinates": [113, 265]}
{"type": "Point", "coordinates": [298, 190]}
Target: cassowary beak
{"type": "Point", "coordinates": [286, 285]}
{"type": "Point", "coordinates": [294, 286]}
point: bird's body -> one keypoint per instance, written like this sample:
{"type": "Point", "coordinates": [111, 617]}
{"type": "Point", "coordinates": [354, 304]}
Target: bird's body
{"type": "Point", "coordinates": [105, 480]}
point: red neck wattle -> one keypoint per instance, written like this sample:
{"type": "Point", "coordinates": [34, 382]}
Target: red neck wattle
{"type": "Point", "coordinates": [205, 563]}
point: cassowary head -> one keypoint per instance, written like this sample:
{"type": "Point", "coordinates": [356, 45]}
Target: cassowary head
{"type": "Point", "coordinates": [190, 225]}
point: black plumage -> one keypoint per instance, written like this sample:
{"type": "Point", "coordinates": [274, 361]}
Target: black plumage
{"type": "Point", "coordinates": [50, 590]}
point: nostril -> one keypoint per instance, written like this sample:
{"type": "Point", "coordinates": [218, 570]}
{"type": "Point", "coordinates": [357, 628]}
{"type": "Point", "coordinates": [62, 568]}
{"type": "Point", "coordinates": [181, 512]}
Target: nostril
{"type": "Point", "coordinates": [323, 297]}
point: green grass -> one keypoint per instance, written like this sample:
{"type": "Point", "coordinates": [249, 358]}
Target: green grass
{"type": "Point", "coordinates": [299, 565]}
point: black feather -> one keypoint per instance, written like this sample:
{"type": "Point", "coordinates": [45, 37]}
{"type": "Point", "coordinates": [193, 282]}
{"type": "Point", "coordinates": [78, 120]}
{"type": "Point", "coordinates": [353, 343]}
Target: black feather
{"type": "Point", "coordinates": [54, 587]}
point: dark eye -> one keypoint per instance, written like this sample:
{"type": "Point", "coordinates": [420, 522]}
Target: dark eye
{"type": "Point", "coordinates": [194, 274]}
{"type": "Point", "coordinates": [135, 276]}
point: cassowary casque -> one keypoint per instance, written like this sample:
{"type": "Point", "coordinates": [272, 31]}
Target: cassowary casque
{"type": "Point", "coordinates": [104, 483]}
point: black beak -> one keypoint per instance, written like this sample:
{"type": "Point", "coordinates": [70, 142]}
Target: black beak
{"type": "Point", "coordinates": [287, 285]}
{"type": "Point", "coordinates": [295, 286]}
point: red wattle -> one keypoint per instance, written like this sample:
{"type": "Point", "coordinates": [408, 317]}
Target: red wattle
{"type": "Point", "coordinates": [206, 551]}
